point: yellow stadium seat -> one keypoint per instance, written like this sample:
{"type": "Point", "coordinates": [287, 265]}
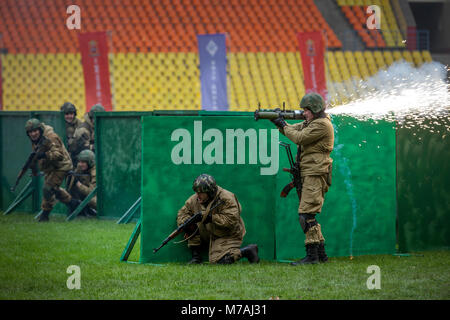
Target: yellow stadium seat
{"type": "Point", "coordinates": [378, 56]}
{"type": "Point", "coordinates": [408, 57]}
{"type": "Point", "coordinates": [427, 56]}
{"type": "Point", "coordinates": [417, 57]}
{"type": "Point", "coordinates": [397, 55]}
{"type": "Point", "coordinates": [388, 57]}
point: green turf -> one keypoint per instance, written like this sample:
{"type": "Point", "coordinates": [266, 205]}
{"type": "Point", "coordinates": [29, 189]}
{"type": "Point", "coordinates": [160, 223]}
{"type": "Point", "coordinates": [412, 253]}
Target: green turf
{"type": "Point", "coordinates": [34, 258]}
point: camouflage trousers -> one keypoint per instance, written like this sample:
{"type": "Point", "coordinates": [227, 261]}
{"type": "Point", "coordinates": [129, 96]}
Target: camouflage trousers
{"type": "Point", "coordinates": [76, 194]}
{"type": "Point", "coordinates": [313, 197]}
{"type": "Point", "coordinates": [52, 190]}
{"type": "Point", "coordinates": [313, 193]}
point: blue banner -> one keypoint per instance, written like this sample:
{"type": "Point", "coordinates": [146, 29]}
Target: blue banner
{"type": "Point", "coordinates": [213, 71]}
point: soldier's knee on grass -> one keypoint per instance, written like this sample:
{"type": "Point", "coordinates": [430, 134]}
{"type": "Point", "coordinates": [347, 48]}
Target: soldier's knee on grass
{"type": "Point", "coordinates": [226, 259]}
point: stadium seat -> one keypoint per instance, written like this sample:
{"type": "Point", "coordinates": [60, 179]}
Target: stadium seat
{"type": "Point", "coordinates": [154, 59]}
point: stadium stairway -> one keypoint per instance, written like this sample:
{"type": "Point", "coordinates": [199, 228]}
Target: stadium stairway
{"type": "Point", "coordinates": [338, 23]}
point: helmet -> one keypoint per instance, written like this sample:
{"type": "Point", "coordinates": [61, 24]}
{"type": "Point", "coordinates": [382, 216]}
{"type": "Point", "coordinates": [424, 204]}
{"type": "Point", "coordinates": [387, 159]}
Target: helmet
{"type": "Point", "coordinates": [87, 156]}
{"type": "Point", "coordinates": [68, 107]}
{"type": "Point", "coordinates": [34, 124]}
{"type": "Point", "coordinates": [205, 183]}
{"type": "Point", "coordinates": [95, 108]}
{"type": "Point", "coordinates": [313, 101]}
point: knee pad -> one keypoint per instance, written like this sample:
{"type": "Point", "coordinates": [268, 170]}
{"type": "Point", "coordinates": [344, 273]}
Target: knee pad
{"type": "Point", "coordinates": [307, 220]}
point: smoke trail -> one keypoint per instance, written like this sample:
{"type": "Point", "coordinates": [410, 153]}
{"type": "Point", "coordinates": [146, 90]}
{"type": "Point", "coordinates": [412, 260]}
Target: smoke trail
{"type": "Point", "coordinates": [344, 168]}
{"type": "Point", "coordinates": [401, 93]}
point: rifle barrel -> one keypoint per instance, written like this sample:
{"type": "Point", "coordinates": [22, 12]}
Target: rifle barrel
{"type": "Point", "coordinates": [271, 114]}
{"type": "Point", "coordinates": [194, 219]}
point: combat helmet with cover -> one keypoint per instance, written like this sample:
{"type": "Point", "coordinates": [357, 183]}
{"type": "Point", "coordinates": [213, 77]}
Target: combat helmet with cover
{"type": "Point", "coordinates": [205, 183]}
{"type": "Point", "coordinates": [33, 124]}
{"type": "Point", "coordinates": [68, 107]}
{"type": "Point", "coordinates": [314, 102]}
{"type": "Point", "coordinates": [87, 156]}
{"type": "Point", "coordinates": [95, 108]}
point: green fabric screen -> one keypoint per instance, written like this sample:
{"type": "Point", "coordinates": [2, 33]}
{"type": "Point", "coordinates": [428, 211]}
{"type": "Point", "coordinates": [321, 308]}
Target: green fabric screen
{"type": "Point", "coordinates": [359, 214]}
{"type": "Point", "coordinates": [15, 147]}
{"type": "Point", "coordinates": [118, 158]}
{"type": "Point", "coordinates": [423, 155]}
{"type": "Point", "coordinates": [166, 186]}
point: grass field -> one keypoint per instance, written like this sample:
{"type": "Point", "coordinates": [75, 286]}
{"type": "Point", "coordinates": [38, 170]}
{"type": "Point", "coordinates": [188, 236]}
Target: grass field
{"type": "Point", "coordinates": [34, 258]}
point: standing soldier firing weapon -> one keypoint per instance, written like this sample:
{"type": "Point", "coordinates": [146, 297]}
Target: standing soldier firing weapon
{"type": "Point", "coordinates": [312, 169]}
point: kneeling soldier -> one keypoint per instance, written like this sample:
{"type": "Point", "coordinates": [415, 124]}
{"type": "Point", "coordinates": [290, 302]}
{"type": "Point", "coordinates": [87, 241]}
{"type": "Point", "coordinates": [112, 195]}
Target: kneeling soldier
{"type": "Point", "coordinates": [84, 180]}
{"type": "Point", "coordinates": [221, 228]}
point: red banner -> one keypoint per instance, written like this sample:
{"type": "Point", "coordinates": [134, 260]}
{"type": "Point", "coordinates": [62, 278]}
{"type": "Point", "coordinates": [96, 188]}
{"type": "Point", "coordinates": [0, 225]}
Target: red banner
{"type": "Point", "coordinates": [312, 51]}
{"type": "Point", "coordinates": [1, 85]}
{"type": "Point", "coordinates": [94, 57]}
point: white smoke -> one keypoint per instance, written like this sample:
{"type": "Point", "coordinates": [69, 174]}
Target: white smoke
{"type": "Point", "coordinates": [400, 93]}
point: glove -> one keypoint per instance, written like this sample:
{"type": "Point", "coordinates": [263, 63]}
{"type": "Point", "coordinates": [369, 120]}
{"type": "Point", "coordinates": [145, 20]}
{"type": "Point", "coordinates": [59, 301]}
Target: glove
{"type": "Point", "coordinates": [41, 155]}
{"type": "Point", "coordinates": [279, 122]}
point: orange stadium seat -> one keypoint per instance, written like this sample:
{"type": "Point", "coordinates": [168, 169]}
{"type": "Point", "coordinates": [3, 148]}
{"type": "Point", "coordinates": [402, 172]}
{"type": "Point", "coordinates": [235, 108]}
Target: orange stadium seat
{"type": "Point", "coordinates": [137, 24]}
{"type": "Point", "coordinates": [161, 36]}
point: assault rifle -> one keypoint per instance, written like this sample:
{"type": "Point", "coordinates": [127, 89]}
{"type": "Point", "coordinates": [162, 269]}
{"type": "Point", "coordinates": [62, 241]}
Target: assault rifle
{"type": "Point", "coordinates": [274, 113]}
{"type": "Point", "coordinates": [72, 178]}
{"type": "Point", "coordinates": [294, 170]}
{"type": "Point", "coordinates": [186, 225]}
{"type": "Point", "coordinates": [30, 161]}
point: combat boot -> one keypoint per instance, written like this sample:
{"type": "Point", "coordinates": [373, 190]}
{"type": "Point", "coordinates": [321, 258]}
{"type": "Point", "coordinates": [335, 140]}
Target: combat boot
{"type": "Point", "coordinates": [321, 252]}
{"type": "Point", "coordinates": [44, 216]}
{"type": "Point", "coordinates": [196, 255]}
{"type": "Point", "coordinates": [89, 212]}
{"type": "Point", "coordinates": [251, 253]}
{"type": "Point", "coordinates": [73, 204]}
{"type": "Point", "coordinates": [312, 256]}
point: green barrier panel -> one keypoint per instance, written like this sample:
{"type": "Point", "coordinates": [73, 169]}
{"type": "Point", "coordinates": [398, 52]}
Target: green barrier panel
{"type": "Point", "coordinates": [118, 161]}
{"type": "Point", "coordinates": [359, 214]}
{"type": "Point", "coordinates": [15, 149]}
{"type": "Point", "coordinates": [166, 185]}
{"type": "Point", "coordinates": [423, 153]}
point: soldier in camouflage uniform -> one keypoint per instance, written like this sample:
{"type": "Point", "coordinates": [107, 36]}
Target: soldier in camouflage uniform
{"type": "Point", "coordinates": [84, 135]}
{"type": "Point", "coordinates": [54, 161]}
{"type": "Point", "coordinates": [83, 181]}
{"type": "Point", "coordinates": [315, 140]}
{"type": "Point", "coordinates": [222, 229]}
{"type": "Point", "coordinates": [72, 123]}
